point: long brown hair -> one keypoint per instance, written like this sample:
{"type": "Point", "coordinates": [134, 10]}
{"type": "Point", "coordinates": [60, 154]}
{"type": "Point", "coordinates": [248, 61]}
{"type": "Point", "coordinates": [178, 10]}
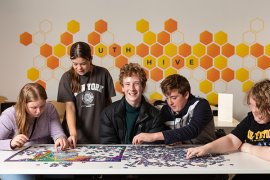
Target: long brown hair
{"type": "Point", "coordinates": [29, 93]}
{"type": "Point", "coordinates": [82, 50]}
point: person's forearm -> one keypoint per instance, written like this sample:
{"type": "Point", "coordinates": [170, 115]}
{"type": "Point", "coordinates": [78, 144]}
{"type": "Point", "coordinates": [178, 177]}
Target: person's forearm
{"type": "Point", "coordinates": [158, 136]}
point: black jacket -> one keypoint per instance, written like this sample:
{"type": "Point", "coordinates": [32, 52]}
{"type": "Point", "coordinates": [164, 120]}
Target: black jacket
{"type": "Point", "coordinates": [193, 125]}
{"type": "Point", "coordinates": [113, 128]}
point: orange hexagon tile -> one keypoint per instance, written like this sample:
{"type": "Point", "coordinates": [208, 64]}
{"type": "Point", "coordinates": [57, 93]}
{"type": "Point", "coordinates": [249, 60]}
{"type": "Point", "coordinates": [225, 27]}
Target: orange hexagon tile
{"type": "Point", "coordinates": [256, 50]}
{"type": "Point", "coordinates": [156, 50]}
{"type": "Point", "coordinates": [263, 62]}
{"type": "Point", "coordinates": [52, 62]}
{"type": "Point", "coordinates": [100, 50]}
{"type": "Point", "coordinates": [206, 62]}
{"type": "Point", "coordinates": [213, 50]}
{"type": "Point", "coordinates": [206, 86]}
{"type": "Point", "coordinates": [93, 38]}
{"type": "Point", "coordinates": [46, 50]}
{"type": "Point", "coordinates": [142, 50]}
{"type": "Point", "coordinates": [33, 74]}
{"type": "Point", "coordinates": [213, 74]}
{"type": "Point", "coordinates": [242, 50]}
{"type": "Point", "coordinates": [42, 83]}
{"type": "Point", "coordinates": [156, 74]}
{"type": "Point", "coordinates": [149, 62]}
{"type": "Point", "coordinates": [178, 62]}
{"type": "Point", "coordinates": [66, 38]}
{"type": "Point", "coordinates": [242, 74]}
{"type": "Point", "coordinates": [184, 50]}
{"type": "Point", "coordinates": [120, 61]}
{"type": "Point", "coordinates": [118, 87]}
{"type": "Point", "coordinates": [115, 50]}
{"type": "Point", "coordinates": [163, 38]}
{"type": "Point", "coordinates": [101, 26]}
{"type": "Point", "coordinates": [73, 26]}
{"type": "Point", "coordinates": [25, 38]}
{"type": "Point", "coordinates": [170, 25]}
{"type": "Point", "coordinates": [206, 37]}
{"type": "Point", "coordinates": [227, 74]}
{"type": "Point", "coordinates": [164, 62]}
{"type": "Point", "coordinates": [142, 26]}
{"type": "Point", "coordinates": [228, 50]}
{"type": "Point", "coordinates": [128, 50]}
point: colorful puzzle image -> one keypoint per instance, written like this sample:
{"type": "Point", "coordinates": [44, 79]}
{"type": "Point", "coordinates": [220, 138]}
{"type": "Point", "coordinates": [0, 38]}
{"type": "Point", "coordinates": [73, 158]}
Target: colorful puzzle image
{"type": "Point", "coordinates": [124, 156]}
{"type": "Point", "coordinates": [80, 154]}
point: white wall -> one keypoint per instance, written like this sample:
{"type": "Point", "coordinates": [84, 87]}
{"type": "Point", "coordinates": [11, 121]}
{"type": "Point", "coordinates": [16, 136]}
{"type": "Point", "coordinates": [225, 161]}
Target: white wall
{"type": "Point", "coordinates": [193, 16]}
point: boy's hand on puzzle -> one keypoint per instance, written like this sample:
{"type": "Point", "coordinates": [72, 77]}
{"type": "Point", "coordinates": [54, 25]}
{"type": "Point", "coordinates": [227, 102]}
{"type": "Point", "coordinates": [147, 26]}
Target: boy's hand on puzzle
{"type": "Point", "coordinates": [18, 141]}
{"type": "Point", "coordinates": [61, 144]}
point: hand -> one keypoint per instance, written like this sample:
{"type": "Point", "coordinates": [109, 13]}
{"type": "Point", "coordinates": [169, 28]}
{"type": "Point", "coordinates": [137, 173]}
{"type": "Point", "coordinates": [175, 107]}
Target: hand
{"type": "Point", "coordinates": [143, 137]}
{"type": "Point", "coordinates": [196, 152]}
{"type": "Point", "coordinates": [72, 140]}
{"type": "Point", "coordinates": [18, 141]}
{"type": "Point", "coordinates": [61, 143]}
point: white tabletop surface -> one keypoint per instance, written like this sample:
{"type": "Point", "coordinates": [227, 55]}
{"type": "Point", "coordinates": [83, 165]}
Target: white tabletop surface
{"type": "Point", "coordinates": [235, 163]}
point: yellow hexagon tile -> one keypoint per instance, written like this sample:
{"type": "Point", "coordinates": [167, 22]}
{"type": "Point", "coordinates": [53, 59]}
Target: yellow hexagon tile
{"type": "Point", "coordinates": [212, 98]}
{"type": "Point", "coordinates": [247, 85]}
{"type": "Point", "coordinates": [191, 62]}
{"type": "Point", "coordinates": [242, 50]}
{"type": "Point", "coordinates": [149, 38]}
{"type": "Point", "coordinates": [59, 50]}
{"type": "Point", "coordinates": [170, 71]}
{"type": "Point", "coordinates": [128, 50]}
{"type": "Point", "coordinates": [149, 62]}
{"type": "Point", "coordinates": [198, 50]}
{"type": "Point", "coordinates": [156, 96]}
{"type": "Point", "coordinates": [100, 50]}
{"type": "Point", "coordinates": [206, 86]}
{"type": "Point", "coordinates": [142, 26]}
{"type": "Point", "coordinates": [163, 62]}
{"type": "Point", "coordinates": [220, 37]}
{"type": "Point", "coordinates": [170, 50]}
{"type": "Point", "coordinates": [220, 62]}
{"type": "Point", "coordinates": [242, 74]}
{"type": "Point", "coordinates": [73, 26]}
{"type": "Point", "coordinates": [33, 74]}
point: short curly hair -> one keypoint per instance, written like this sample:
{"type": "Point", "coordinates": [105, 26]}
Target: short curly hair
{"type": "Point", "coordinates": [131, 69]}
{"type": "Point", "coordinates": [260, 93]}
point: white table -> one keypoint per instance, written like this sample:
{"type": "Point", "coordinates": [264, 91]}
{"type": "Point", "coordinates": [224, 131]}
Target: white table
{"type": "Point", "coordinates": [236, 163]}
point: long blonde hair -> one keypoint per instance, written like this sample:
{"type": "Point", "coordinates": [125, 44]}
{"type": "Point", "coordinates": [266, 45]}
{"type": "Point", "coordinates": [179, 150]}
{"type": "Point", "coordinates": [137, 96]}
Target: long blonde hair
{"type": "Point", "coordinates": [29, 93]}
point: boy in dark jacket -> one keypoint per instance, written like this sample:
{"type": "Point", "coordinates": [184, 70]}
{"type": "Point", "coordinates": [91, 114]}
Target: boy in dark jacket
{"type": "Point", "coordinates": [188, 118]}
{"type": "Point", "coordinates": [132, 114]}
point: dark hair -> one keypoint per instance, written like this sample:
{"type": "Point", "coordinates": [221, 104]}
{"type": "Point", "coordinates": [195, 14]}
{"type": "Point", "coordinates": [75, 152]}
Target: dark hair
{"type": "Point", "coordinates": [260, 92]}
{"type": "Point", "coordinates": [175, 82]}
{"type": "Point", "coordinates": [29, 93]}
{"type": "Point", "coordinates": [133, 69]}
{"type": "Point", "coordinates": [82, 50]}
